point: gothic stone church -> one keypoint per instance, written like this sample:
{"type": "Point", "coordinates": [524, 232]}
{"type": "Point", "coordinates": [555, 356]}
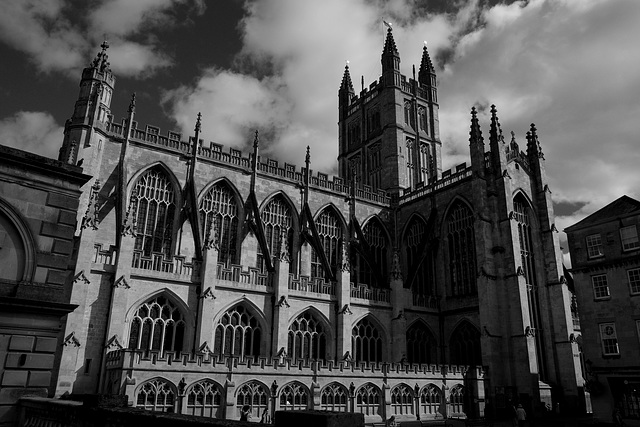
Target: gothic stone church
{"type": "Point", "coordinates": [208, 279]}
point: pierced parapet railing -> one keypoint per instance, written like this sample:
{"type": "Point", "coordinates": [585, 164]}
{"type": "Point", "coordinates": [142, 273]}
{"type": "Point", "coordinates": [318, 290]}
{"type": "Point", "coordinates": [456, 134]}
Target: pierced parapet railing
{"type": "Point", "coordinates": [251, 276]}
{"type": "Point", "coordinates": [308, 284]}
{"type": "Point", "coordinates": [157, 262]}
{"type": "Point", "coordinates": [44, 412]}
{"type": "Point", "coordinates": [427, 301]}
{"type": "Point", "coordinates": [104, 256]}
{"type": "Point", "coordinates": [372, 294]}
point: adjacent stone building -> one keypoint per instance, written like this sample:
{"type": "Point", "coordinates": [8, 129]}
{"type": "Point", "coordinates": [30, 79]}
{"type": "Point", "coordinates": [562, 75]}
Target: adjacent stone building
{"type": "Point", "coordinates": [38, 204]}
{"type": "Point", "coordinates": [210, 279]}
{"type": "Point", "coordinates": [605, 258]}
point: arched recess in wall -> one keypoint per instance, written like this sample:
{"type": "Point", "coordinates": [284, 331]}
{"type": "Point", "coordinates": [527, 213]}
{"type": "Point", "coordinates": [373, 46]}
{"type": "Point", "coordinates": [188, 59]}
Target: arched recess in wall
{"type": "Point", "coordinates": [240, 330]}
{"type": "Point", "coordinates": [18, 255]}
{"type": "Point", "coordinates": [368, 339]}
{"type": "Point", "coordinates": [379, 246]}
{"type": "Point", "coordinates": [278, 214]}
{"type": "Point", "coordinates": [154, 198]}
{"type": "Point", "coordinates": [460, 248]}
{"type": "Point", "coordinates": [331, 228]}
{"type": "Point", "coordinates": [220, 213]}
{"type": "Point", "coordinates": [160, 321]}
{"type": "Point", "coordinates": [309, 335]}
{"type": "Point", "coordinates": [419, 258]}
{"type": "Point", "coordinates": [422, 345]}
{"type": "Point", "coordinates": [464, 345]}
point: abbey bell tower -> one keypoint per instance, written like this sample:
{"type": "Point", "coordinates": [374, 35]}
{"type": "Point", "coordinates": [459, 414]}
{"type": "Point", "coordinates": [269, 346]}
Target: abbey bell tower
{"type": "Point", "coordinates": [389, 134]}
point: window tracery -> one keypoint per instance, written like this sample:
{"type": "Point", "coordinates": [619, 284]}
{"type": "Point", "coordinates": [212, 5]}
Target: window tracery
{"type": "Point", "coordinates": [456, 399]}
{"type": "Point", "coordinates": [205, 399]}
{"type": "Point", "coordinates": [465, 345]}
{"type": "Point", "coordinates": [276, 217]}
{"type": "Point", "coordinates": [366, 342]}
{"type": "Point", "coordinates": [430, 399]}
{"type": "Point", "coordinates": [219, 209]}
{"type": "Point", "coordinates": [307, 338]}
{"type": "Point", "coordinates": [294, 397]}
{"type": "Point", "coordinates": [423, 283]}
{"type": "Point", "coordinates": [421, 344]}
{"type": "Point", "coordinates": [330, 232]}
{"type": "Point", "coordinates": [156, 395]}
{"type": "Point", "coordinates": [238, 333]}
{"type": "Point", "coordinates": [157, 325]}
{"type": "Point", "coordinates": [255, 395]}
{"type": "Point", "coordinates": [333, 397]}
{"type": "Point", "coordinates": [462, 250]}
{"type": "Point", "coordinates": [368, 400]}
{"type": "Point", "coordinates": [377, 240]}
{"type": "Point", "coordinates": [402, 400]}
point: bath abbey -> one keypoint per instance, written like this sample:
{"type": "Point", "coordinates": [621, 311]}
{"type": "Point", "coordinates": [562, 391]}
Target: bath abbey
{"type": "Point", "coordinates": [207, 279]}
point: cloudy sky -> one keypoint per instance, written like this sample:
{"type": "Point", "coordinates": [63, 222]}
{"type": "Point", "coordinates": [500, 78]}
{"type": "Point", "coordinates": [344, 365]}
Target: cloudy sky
{"type": "Point", "coordinates": [570, 66]}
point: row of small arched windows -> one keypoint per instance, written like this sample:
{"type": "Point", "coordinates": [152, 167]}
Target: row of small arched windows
{"type": "Point", "coordinates": [159, 325]}
{"type": "Point", "coordinates": [154, 201]}
{"type": "Point", "coordinates": [206, 398]}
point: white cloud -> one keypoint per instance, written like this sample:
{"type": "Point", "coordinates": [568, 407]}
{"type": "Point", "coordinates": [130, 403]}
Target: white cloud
{"type": "Point", "coordinates": [32, 131]}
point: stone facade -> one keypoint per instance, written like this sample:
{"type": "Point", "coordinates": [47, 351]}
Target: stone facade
{"type": "Point", "coordinates": [38, 202]}
{"type": "Point", "coordinates": [605, 263]}
{"type": "Point", "coordinates": [392, 289]}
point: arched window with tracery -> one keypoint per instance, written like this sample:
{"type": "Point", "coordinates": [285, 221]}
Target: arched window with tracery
{"type": "Point", "coordinates": [430, 400]}
{"type": "Point", "coordinates": [158, 324]}
{"type": "Point", "coordinates": [294, 397]}
{"type": "Point", "coordinates": [369, 400]}
{"type": "Point", "coordinates": [424, 163]}
{"type": "Point", "coordinates": [276, 218]}
{"type": "Point", "coordinates": [334, 397]}
{"type": "Point", "coordinates": [409, 117]}
{"type": "Point", "coordinates": [402, 400]}
{"type": "Point", "coordinates": [522, 216]}
{"type": "Point", "coordinates": [255, 395]}
{"type": "Point", "coordinates": [423, 282]}
{"type": "Point", "coordinates": [205, 399]}
{"type": "Point", "coordinates": [156, 395]}
{"type": "Point", "coordinates": [154, 212]}
{"type": "Point", "coordinates": [366, 342]}
{"type": "Point", "coordinates": [329, 229]}
{"type": "Point", "coordinates": [219, 209]}
{"type": "Point", "coordinates": [423, 119]}
{"type": "Point", "coordinates": [465, 345]}
{"type": "Point", "coordinates": [410, 163]}
{"type": "Point", "coordinates": [362, 273]}
{"type": "Point", "coordinates": [456, 399]}
{"type": "Point", "coordinates": [307, 337]}
{"type": "Point", "coordinates": [421, 344]}
{"type": "Point", "coordinates": [462, 250]}
{"type": "Point", "coordinates": [238, 333]}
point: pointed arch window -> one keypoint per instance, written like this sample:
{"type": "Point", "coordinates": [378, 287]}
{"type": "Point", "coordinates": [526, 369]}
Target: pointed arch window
{"type": "Point", "coordinates": [294, 397]}
{"type": "Point", "coordinates": [456, 398]}
{"type": "Point", "coordinates": [462, 250]}
{"type": "Point", "coordinates": [409, 118]}
{"type": "Point", "coordinates": [329, 229]}
{"type": "Point", "coordinates": [219, 209]}
{"type": "Point", "coordinates": [156, 395]}
{"type": "Point", "coordinates": [334, 398]}
{"type": "Point", "coordinates": [362, 272]}
{"type": "Point", "coordinates": [369, 400]}
{"type": "Point", "coordinates": [402, 400]}
{"type": "Point", "coordinates": [307, 338]}
{"type": "Point", "coordinates": [423, 119]}
{"type": "Point", "coordinates": [424, 163]}
{"type": "Point", "coordinates": [465, 346]}
{"type": "Point", "coordinates": [154, 213]}
{"type": "Point", "coordinates": [238, 333]}
{"type": "Point", "coordinates": [410, 163]}
{"type": "Point", "coordinates": [423, 283]}
{"type": "Point", "coordinates": [430, 400]}
{"type": "Point", "coordinates": [255, 395]}
{"type": "Point", "coordinates": [205, 399]}
{"type": "Point", "coordinates": [277, 217]}
{"type": "Point", "coordinates": [421, 344]}
{"type": "Point", "coordinates": [366, 342]}
{"type": "Point", "coordinates": [157, 325]}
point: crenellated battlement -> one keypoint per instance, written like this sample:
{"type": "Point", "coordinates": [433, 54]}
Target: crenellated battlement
{"type": "Point", "coordinates": [150, 135]}
{"type": "Point", "coordinates": [449, 177]}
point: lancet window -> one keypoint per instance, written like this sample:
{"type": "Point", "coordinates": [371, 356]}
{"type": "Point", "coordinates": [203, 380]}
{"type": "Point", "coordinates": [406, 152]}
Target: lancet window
{"type": "Point", "coordinates": [409, 118]}
{"type": "Point", "coordinates": [294, 397]}
{"type": "Point", "coordinates": [368, 400]}
{"type": "Point", "coordinates": [329, 229]}
{"type": "Point", "coordinates": [255, 395]}
{"type": "Point", "coordinates": [238, 333]}
{"type": "Point", "coordinates": [456, 399]}
{"type": "Point", "coordinates": [410, 163]}
{"type": "Point", "coordinates": [430, 399]}
{"type": "Point", "coordinates": [307, 337]}
{"type": "Point", "coordinates": [219, 218]}
{"type": "Point", "coordinates": [334, 398]}
{"type": "Point", "coordinates": [366, 342]}
{"type": "Point", "coordinates": [421, 344]}
{"type": "Point", "coordinates": [424, 163]}
{"type": "Point", "coordinates": [154, 201]}
{"type": "Point", "coordinates": [461, 250]}
{"type": "Point", "coordinates": [465, 345]}
{"type": "Point", "coordinates": [402, 400]}
{"type": "Point", "coordinates": [423, 119]}
{"type": "Point", "coordinates": [363, 273]}
{"type": "Point", "coordinates": [423, 284]}
{"type": "Point", "coordinates": [156, 395]}
{"type": "Point", "coordinates": [205, 399]}
{"type": "Point", "coordinates": [157, 325]}
{"type": "Point", "coordinates": [276, 218]}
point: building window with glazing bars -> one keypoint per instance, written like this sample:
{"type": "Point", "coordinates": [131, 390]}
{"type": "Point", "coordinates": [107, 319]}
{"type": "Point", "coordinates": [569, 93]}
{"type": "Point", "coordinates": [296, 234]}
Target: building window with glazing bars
{"type": "Point", "coordinates": [600, 286]}
{"type": "Point", "coordinates": [594, 246]}
{"type": "Point", "coordinates": [609, 339]}
{"type": "Point", "coordinates": [634, 280]}
{"type": "Point", "coordinates": [629, 237]}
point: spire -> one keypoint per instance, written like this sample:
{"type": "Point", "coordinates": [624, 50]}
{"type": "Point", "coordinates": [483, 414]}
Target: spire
{"type": "Point", "coordinates": [346, 84]}
{"type": "Point", "coordinates": [475, 134]}
{"type": "Point", "coordinates": [390, 62]}
{"type": "Point", "coordinates": [426, 67]}
{"type": "Point", "coordinates": [496, 144]}
{"type": "Point", "coordinates": [495, 134]}
{"type": "Point", "coordinates": [101, 61]}
{"type": "Point", "coordinates": [390, 44]}
{"type": "Point", "coordinates": [533, 144]}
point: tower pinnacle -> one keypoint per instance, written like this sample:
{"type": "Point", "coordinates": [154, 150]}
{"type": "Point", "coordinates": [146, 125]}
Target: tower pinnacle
{"type": "Point", "coordinates": [346, 84]}
{"type": "Point", "coordinates": [101, 61]}
{"type": "Point", "coordinates": [426, 67]}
